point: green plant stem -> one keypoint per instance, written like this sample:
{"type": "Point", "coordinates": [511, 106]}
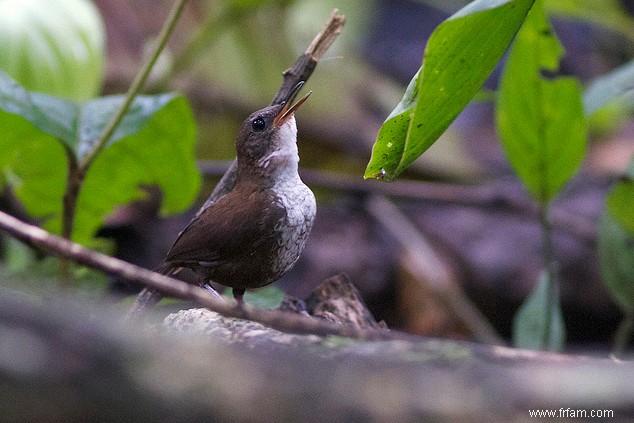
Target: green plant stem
{"type": "Point", "coordinates": [550, 265]}
{"type": "Point", "coordinates": [77, 171]}
{"type": "Point", "coordinates": [624, 334]}
{"type": "Point", "coordinates": [74, 181]}
{"type": "Point", "coordinates": [138, 82]}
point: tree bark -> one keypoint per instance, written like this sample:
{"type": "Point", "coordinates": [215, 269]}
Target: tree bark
{"type": "Point", "coordinates": [66, 360]}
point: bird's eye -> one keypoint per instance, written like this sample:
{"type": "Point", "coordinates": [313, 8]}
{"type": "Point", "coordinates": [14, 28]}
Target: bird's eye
{"type": "Point", "coordinates": [258, 124]}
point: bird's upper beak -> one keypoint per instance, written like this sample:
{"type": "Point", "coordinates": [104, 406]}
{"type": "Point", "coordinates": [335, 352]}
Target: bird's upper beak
{"type": "Point", "coordinates": [288, 111]}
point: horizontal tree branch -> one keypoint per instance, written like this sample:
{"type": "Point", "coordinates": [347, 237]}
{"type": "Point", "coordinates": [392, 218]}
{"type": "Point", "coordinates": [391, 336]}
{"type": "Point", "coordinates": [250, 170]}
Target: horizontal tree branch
{"type": "Point", "coordinates": [283, 321]}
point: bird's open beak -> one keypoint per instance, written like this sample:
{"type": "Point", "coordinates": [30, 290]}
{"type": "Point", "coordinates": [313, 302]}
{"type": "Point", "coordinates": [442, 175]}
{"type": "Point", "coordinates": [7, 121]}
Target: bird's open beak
{"type": "Point", "coordinates": [287, 111]}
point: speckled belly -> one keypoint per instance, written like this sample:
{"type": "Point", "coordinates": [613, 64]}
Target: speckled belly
{"type": "Point", "coordinates": [293, 230]}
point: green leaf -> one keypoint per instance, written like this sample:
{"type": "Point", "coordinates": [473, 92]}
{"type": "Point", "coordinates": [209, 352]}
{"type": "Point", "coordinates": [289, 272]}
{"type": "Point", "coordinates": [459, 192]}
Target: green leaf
{"type": "Point", "coordinates": [615, 86]}
{"type": "Point", "coordinates": [460, 55]}
{"type": "Point", "coordinates": [533, 320]}
{"type": "Point", "coordinates": [541, 121]}
{"type": "Point", "coordinates": [268, 297]}
{"type": "Point", "coordinates": [16, 256]}
{"type": "Point", "coordinates": [160, 152]}
{"type": "Point", "coordinates": [153, 145]}
{"type": "Point", "coordinates": [616, 256]}
{"type": "Point", "coordinates": [96, 114]}
{"type": "Point", "coordinates": [620, 200]}
{"type": "Point", "coordinates": [34, 163]}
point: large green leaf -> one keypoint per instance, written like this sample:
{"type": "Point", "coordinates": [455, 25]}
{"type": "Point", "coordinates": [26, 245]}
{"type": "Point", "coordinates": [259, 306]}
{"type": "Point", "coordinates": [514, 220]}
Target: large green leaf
{"type": "Point", "coordinates": [34, 163]}
{"type": "Point", "coordinates": [620, 200]}
{"type": "Point", "coordinates": [160, 152]}
{"type": "Point", "coordinates": [616, 254]}
{"type": "Point", "coordinates": [460, 55]}
{"type": "Point", "coordinates": [541, 121]}
{"type": "Point", "coordinates": [40, 134]}
{"type": "Point", "coordinates": [540, 314]}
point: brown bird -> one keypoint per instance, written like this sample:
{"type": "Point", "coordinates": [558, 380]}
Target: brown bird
{"type": "Point", "coordinates": [255, 233]}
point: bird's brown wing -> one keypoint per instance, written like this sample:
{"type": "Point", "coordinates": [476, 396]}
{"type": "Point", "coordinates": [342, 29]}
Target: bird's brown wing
{"type": "Point", "coordinates": [228, 230]}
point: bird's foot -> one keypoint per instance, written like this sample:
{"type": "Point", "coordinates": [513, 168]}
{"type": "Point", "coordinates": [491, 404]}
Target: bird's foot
{"type": "Point", "coordinates": [238, 294]}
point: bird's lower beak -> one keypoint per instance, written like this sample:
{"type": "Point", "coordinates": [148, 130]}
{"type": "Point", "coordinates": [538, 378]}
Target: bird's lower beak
{"type": "Point", "coordinates": [288, 111]}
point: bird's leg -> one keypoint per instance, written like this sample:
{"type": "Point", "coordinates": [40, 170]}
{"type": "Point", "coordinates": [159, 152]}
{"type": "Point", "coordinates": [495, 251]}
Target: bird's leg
{"type": "Point", "coordinates": [205, 284]}
{"type": "Point", "coordinates": [238, 294]}
{"type": "Point", "coordinates": [210, 289]}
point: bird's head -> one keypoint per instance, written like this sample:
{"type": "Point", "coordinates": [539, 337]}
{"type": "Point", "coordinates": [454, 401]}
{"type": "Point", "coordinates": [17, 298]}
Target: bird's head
{"type": "Point", "coordinates": [268, 137]}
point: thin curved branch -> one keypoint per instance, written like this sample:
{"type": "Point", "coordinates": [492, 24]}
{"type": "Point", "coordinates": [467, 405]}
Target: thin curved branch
{"type": "Point", "coordinates": [283, 321]}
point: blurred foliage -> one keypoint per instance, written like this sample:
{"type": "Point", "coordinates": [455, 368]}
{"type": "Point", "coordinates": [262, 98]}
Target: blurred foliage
{"type": "Point", "coordinates": [245, 49]}
{"type": "Point", "coordinates": [608, 14]}
{"type": "Point", "coordinates": [611, 95]}
{"type": "Point", "coordinates": [24, 271]}
{"type": "Point", "coordinates": [616, 253]}
{"type": "Point", "coordinates": [616, 256]}
{"type": "Point", "coordinates": [53, 46]}
{"type": "Point", "coordinates": [620, 200]}
{"type": "Point", "coordinates": [267, 297]}
{"type": "Point", "coordinates": [17, 256]}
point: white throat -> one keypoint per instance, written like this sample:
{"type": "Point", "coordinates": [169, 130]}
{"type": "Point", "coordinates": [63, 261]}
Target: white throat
{"type": "Point", "coordinates": [285, 157]}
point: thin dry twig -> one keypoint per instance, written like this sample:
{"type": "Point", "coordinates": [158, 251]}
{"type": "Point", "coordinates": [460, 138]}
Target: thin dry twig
{"type": "Point", "coordinates": [301, 70]}
{"type": "Point", "coordinates": [307, 62]}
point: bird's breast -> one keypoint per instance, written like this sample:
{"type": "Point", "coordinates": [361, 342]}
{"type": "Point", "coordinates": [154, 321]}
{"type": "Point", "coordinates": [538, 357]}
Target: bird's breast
{"type": "Point", "coordinates": [293, 228]}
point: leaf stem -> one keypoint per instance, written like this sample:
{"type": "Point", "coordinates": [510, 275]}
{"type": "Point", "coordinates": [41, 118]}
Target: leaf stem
{"type": "Point", "coordinates": [624, 333]}
{"type": "Point", "coordinates": [550, 265]}
{"type": "Point", "coordinates": [137, 84]}
{"type": "Point", "coordinates": [74, 181]}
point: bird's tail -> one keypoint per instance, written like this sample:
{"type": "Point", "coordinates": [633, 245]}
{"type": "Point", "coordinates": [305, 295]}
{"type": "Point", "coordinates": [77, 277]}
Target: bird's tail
{"type": "Point", "coordinates": [148, 297]}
